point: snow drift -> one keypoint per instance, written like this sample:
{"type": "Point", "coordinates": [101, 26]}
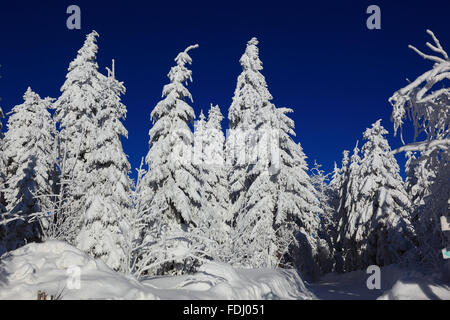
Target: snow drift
{"type": "Point", "coordinates": [48, 267]}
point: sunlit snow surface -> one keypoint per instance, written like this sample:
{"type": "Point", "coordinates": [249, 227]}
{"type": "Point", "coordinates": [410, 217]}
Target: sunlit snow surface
{"type": "Point", "coordinates": [46, 267]}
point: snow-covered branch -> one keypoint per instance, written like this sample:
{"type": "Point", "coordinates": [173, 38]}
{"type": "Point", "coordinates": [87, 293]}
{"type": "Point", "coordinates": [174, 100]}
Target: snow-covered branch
{"type": "Point", "coordinates": [428, 109]}
{"type": "Point", "coordinates": [423, 145]}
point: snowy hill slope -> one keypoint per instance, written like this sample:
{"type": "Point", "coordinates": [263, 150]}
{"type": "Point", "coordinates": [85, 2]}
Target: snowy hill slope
{"type": "Point", "coordinates": [49, 266]}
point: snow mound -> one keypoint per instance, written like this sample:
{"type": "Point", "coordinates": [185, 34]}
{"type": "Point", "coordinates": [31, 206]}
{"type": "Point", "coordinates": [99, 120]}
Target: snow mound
{"type": "Point", "coordinates": [53, 266]}
{"type": "Point", "coordinates": [221, 281]}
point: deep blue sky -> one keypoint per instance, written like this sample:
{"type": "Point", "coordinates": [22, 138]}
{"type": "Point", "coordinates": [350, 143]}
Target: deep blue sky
{"type": "Point", "coordinates": [319, 57]}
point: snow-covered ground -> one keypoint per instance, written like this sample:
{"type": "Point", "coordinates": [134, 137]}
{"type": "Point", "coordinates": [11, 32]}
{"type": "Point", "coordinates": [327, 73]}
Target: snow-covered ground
{"type": "Point", "coordinates": [53, 267]}
{"type": "Point", "coordinates": [396, 284]}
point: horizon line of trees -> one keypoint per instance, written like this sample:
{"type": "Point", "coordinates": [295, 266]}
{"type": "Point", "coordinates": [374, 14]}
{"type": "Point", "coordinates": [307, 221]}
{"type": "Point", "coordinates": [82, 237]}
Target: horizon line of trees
{"type": "Point", "coordinates": [248, 199]}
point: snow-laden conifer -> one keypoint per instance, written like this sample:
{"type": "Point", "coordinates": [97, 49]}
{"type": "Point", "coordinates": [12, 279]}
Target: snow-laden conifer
{"type": "Point", "coordinates": [349, 214]}
{"type": "Point", "coordinates": [328, 227]}
{"type": "Point", "coordinates": [214, 217]}
{"type": "Point", "coordinates": [29, 158]}
{"type": "Point", "coordinates": [377, 228]}
{"type": "Point", "coordinates": [251, 116]}
{"type": "Point", "coordinates": [75, 112]}
{"type": "Point", "coordinates": [172, 184]}
{"type": "Point", "coordinates": [273, 200]}
{"type": "Point", "coordinates": [108, 198]}
{"type": "Point", "coordinates": [297, 206]}
{"type": "Point", "coordinates": [338, 188]}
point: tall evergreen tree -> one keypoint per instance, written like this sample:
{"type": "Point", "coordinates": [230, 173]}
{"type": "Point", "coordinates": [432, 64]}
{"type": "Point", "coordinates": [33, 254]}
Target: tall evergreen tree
{"type": "Point", "coordinates": [328, 227]}
{"type": "Point", "coordinates": [172, 185]}
{"type": "Point", "coordinates": [215, 166]}
{"type": "Point", "coordinates": [200, 142]}
{"type": "Point", "coordinates": [297, 205]}
{"type": "Point", "coordinates": [338, 187]}
{"type": "Point", "coordinates": [334, 187]}
{"type": "Point", "coordinates": [377, 228]}
{"type": "Point", "coordinates": [214, 217]}
{"type": "Point", "coordinates": [349, 211]}
{"type": "Point", "coordinates": [108, 199]}
{"type": "Point", "coordinates": [251, 114]}
{"type": "Point", "coordinates": [29, 157]}
{"type": "Point", "coordinates": [76, 112]}
{"type": "Point", "coordinates": [272, 196]}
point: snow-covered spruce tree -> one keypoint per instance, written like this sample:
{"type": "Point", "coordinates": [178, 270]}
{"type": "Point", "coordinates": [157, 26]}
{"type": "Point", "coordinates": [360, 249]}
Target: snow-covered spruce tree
{"type": "Point", "coordinates": [28, 155]}
{"type": "Point", "coordinates": [216, 173]}
{"type": "Point", "coordinates": [272, 197]}
{"type": "Point", "coordinates": [214, 218]}
{"type": "Point", "coordinates": [426, 102]}
{"type": "Point", "coordinates": [418, 179]}
{"type": "Point", "coordinates": [108, 198]}
{"type": "Point", "coordinates": [75, 112]}
{"type": "Point", "coordinates": [349, 212]}
{"type": "Point", "coordinates": [297, 207]}
{"type": "Point", "coordinates": [338, 188]}
{"type": "Point", "coordinates": [172, 184]}
{"type": "Point", "coordinates": [334, 186]}
{"type": "Point", "coordinates": [251, 187]}
{"type": "Point", "coordinates": [339, 183]}
{"type": "Point", "coordinates": [328, 227]}
{"type": "Point", "coordinates": [377, 229]}
{"type": "Point", "coordinates": [133, 228]}
{"type": "Point", "coordinates": [199, 141]}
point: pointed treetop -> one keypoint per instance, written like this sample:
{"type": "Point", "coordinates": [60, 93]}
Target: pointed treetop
{"type": "Point", "coordinates": [376, 142]}
{"type": "Point", "coordinates": [92, 37]}
{"type": "Point", "coordinates": [199, 125]}
{"type": "Point", "coordinates": [179, 73]}
{"type": "Point", "coordinates": [215, 113]}
{"type": "Point", "coordinates": [89, 43]}
{"type": "Point", "coordinates": [202, 116]}
{"type": "Point", "coordinates": [87, 52]}
{"type": "Point", "coordinates": [355, 157]}
{"type": "Point", "coordinates": [253, 42]}
{"type": "Point", "coordinates": [215, 117]}
{"type": "Point", "coordinates": [376, 130]}
{"type": "Point", "coordinates": [28, 93]}
{"type": "Point", "coordinates": [250, 59]}
{"type": "Point", "coordinates": [183, 57]}
{"type": "Point", "coordinates": [32, 102]}
{"type": "Point", "coordinates": [345, 154]}
{"type": "Point", "coordinates": [31, 95]}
